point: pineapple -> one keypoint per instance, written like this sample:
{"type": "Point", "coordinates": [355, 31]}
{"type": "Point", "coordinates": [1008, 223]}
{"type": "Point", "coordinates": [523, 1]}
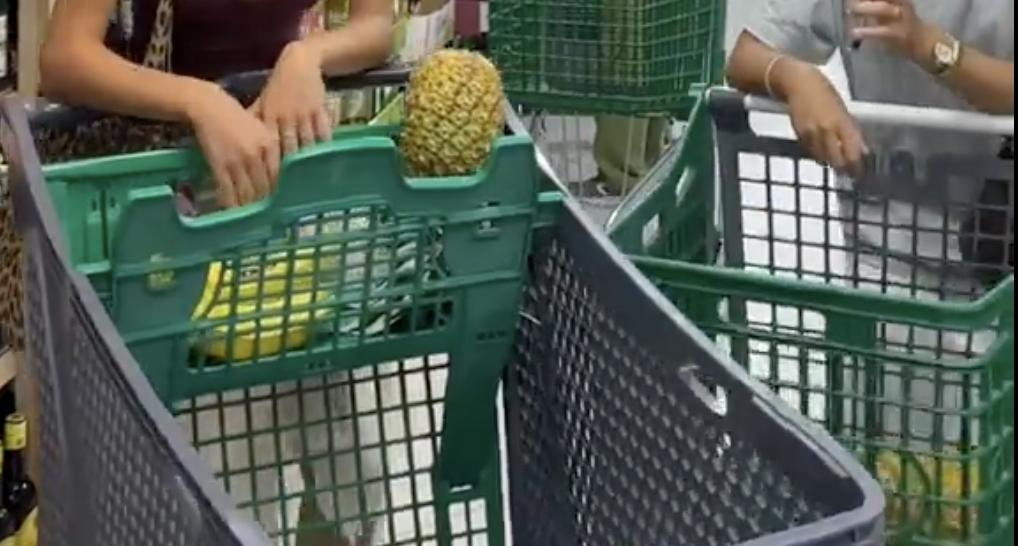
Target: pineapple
{"type": "Point", "coordinates": [454, 113]}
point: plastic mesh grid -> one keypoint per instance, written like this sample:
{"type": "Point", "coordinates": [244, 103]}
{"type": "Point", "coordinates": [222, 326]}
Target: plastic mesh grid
{"type": "Point", "coordinates": [800, 219]}
{"type": "Point", "coordinates": [914, 416]}
{"type": "Point", "coordinates": [619, 56]}
{"type": "Point", "coordinates": [347, 455]}
{"type": "Point", "coordinates": [53, 521]}
{"type": "Point", "coordinates": [104, 483]}
{"type": "Point", "coordinates": [614, 448]}
{"type": "Point", "coordinates": [797, 220]}
{"type": "Point", "coordinates": [341, 279]}
{"type": "Point", "coordinates": [128, 478]}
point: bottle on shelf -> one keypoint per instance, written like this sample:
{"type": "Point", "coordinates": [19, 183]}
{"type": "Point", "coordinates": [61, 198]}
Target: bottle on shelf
{"type": "Point", "coordinates": [336, 13]}
{"type": "Point", "coordinates": [8, 403]}
{"type": "Point", "coordinates": [8, 527]}
{"type": "Point", "coordinates": [19, 496]}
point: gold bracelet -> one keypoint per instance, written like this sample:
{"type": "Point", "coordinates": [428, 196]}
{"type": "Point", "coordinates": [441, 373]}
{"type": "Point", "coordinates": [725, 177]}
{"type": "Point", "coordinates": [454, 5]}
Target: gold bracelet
{"type": "Point", "coordinates": [767, 74]}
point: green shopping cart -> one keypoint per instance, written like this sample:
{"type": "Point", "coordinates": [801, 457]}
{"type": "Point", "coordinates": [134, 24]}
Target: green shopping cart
{"type": "Point", "coordinates": [825, 289]}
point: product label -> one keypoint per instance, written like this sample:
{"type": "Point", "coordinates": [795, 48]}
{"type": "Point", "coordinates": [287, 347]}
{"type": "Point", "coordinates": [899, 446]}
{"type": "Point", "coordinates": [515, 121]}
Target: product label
{"type": "Point", "coordinates": [15, 433]}
{"type": "Point", "coordinates": [427, 33]}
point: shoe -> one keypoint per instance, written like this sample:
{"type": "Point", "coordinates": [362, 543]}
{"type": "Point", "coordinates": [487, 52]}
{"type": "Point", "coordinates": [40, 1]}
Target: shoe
{"type": "Point", "coordinates": [593, 187]}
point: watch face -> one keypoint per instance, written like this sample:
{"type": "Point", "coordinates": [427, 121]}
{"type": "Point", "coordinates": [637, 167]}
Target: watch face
{"type": "Point", "coordinates": [943, 53]}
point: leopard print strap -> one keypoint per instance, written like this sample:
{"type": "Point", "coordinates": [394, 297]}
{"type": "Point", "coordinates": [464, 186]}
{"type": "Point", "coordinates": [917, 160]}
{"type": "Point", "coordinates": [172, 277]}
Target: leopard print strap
{"type": "Point", "coordinates": [159, 52]}
{"type": "Point", "coordinates": [118, 135]}
{"type": "Point", "coordinates": [113, 135]}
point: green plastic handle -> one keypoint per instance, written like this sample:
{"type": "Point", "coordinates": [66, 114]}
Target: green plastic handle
{"type": "Point", "coordinates": [332, 176]}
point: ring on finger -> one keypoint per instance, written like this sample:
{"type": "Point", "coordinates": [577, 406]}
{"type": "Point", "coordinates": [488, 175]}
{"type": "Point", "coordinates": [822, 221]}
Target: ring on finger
{"type": "Point", "coordinates": [288, 133]}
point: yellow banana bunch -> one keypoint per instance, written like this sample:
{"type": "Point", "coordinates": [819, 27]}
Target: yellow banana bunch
{"type": "Point", "coordinates": [920, 473]}
{"type": "Point", "coordinates": [284, 291]}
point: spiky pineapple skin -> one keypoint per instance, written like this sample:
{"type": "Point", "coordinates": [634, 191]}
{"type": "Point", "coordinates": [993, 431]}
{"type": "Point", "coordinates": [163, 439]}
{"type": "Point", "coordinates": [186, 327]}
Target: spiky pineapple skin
{"type": "Point", "coordinates": [454, 114]}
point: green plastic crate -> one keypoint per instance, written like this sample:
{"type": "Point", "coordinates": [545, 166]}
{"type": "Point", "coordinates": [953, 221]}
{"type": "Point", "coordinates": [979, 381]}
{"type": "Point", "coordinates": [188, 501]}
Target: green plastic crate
{"type": "Point", "coordinates": [615, 56]}
{"type": "Point", "coordinates": [308, 338]}
{"type": "Point", "coordinates": [921, 390]}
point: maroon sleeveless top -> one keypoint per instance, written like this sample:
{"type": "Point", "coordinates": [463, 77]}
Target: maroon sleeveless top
{"type": "Point", "coordinates": [213, 38]}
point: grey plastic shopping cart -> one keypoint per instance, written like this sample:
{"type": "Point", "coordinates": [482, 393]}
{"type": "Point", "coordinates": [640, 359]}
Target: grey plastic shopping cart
{"type": "Point", "coordinates": [621, 425]}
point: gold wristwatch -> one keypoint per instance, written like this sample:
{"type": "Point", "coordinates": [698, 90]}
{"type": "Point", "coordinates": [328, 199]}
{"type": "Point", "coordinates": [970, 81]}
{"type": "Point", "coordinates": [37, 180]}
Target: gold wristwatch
{"type": "Point", "coordinates": [946, 54]}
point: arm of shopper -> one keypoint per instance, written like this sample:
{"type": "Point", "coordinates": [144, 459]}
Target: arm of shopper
{"type": "Point", "coordinates": [819, 116]}
{"type": "Point", "coordinates": [365, 41]}
{"type": "Point", "coordinates": [987, 83]}
{"type": "Point", "coordinates": [77, 68]}
{"type": "Point", "coordinates": [780, 49]}
{"type": "Point", "coordinates": [293, 101]}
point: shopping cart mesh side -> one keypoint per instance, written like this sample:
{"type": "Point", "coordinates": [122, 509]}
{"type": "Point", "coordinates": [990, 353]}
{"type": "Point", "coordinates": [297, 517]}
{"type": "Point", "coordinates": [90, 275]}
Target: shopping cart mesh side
{"type": "Point", "coordinates": [54, 524]}
{"type": "Point", "coordinates": [616, 438]}
{"type": "Point", "coordinates": [108, 471]}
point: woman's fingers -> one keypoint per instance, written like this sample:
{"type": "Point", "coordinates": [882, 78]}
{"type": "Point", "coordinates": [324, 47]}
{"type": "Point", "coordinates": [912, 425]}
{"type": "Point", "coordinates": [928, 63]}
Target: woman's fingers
{"type": "Point", "coordinates": [258, 173]}
{"type": "Point", "coordinates": [323, 125]}
{"type": "Point", "coordinates": [289, 137]}
{"type": "Point", "coordinates": [854, 148]}
{"type": "Point", "coordinates": [226, 194]}
{"type": "Point", "coordinates": [876, 8]}
{"type": "Point", "coordinates": [306, 130]}
{"type": "Point", "coordinates": [272, 161]}
{"type": "Point", "coordinates": [832, 150]}
{"type": "Point", "coordinates": [243, 185]}
{"type": "Point", "coordinates": [877, 33]}
{"type": "Point", "coordinates": [811, 140]}
{"type": "Point", "coordinates": [302, 131]}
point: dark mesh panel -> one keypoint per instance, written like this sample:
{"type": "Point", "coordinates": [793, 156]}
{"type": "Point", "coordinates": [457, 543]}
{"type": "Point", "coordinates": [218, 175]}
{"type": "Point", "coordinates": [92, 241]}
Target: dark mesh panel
{"type": "Point", "coordinates": [613, 441]}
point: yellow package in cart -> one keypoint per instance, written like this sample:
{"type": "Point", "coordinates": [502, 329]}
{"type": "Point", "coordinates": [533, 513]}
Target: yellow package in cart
{"type": "Point", "coordinates": [28, 534]}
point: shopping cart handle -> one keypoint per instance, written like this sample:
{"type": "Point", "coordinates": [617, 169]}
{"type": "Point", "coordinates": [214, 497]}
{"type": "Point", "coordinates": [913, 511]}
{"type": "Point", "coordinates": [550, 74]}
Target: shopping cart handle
{"type": "Point", "coordinates": [879, 114]}
{"type": "Point", "coordinates": [244, 86]}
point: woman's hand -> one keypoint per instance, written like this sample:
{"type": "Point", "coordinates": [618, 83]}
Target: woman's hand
{"type": "Point", "coordinates": [825, 128]}
{"type": "Point", "coordinates": [241, 151]}
{"type": "Point", "coordinates": [893, 23]}
{"type": "Point", "coordinates": [821, 121]}
{"type": "Point", "coordinates": [292, 105]}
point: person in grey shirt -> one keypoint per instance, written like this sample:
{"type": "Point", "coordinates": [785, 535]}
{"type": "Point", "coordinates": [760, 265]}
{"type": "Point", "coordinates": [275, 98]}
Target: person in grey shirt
{"type": "Point", "coordinates": [951, 54]}
{"type": "Point", "coordinates": [956, 55]}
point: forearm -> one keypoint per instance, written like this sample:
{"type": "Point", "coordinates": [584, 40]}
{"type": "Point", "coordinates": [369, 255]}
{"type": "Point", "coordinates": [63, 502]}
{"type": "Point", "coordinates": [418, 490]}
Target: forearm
{"type": "Point", "coordinates": [88, 74]}
{"type": "Point", "coordinates": [985, 82]}
{"type": "Point", "coordinates": [750, 61]}
{"type": "Point", "coordinates": [364, 42]}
